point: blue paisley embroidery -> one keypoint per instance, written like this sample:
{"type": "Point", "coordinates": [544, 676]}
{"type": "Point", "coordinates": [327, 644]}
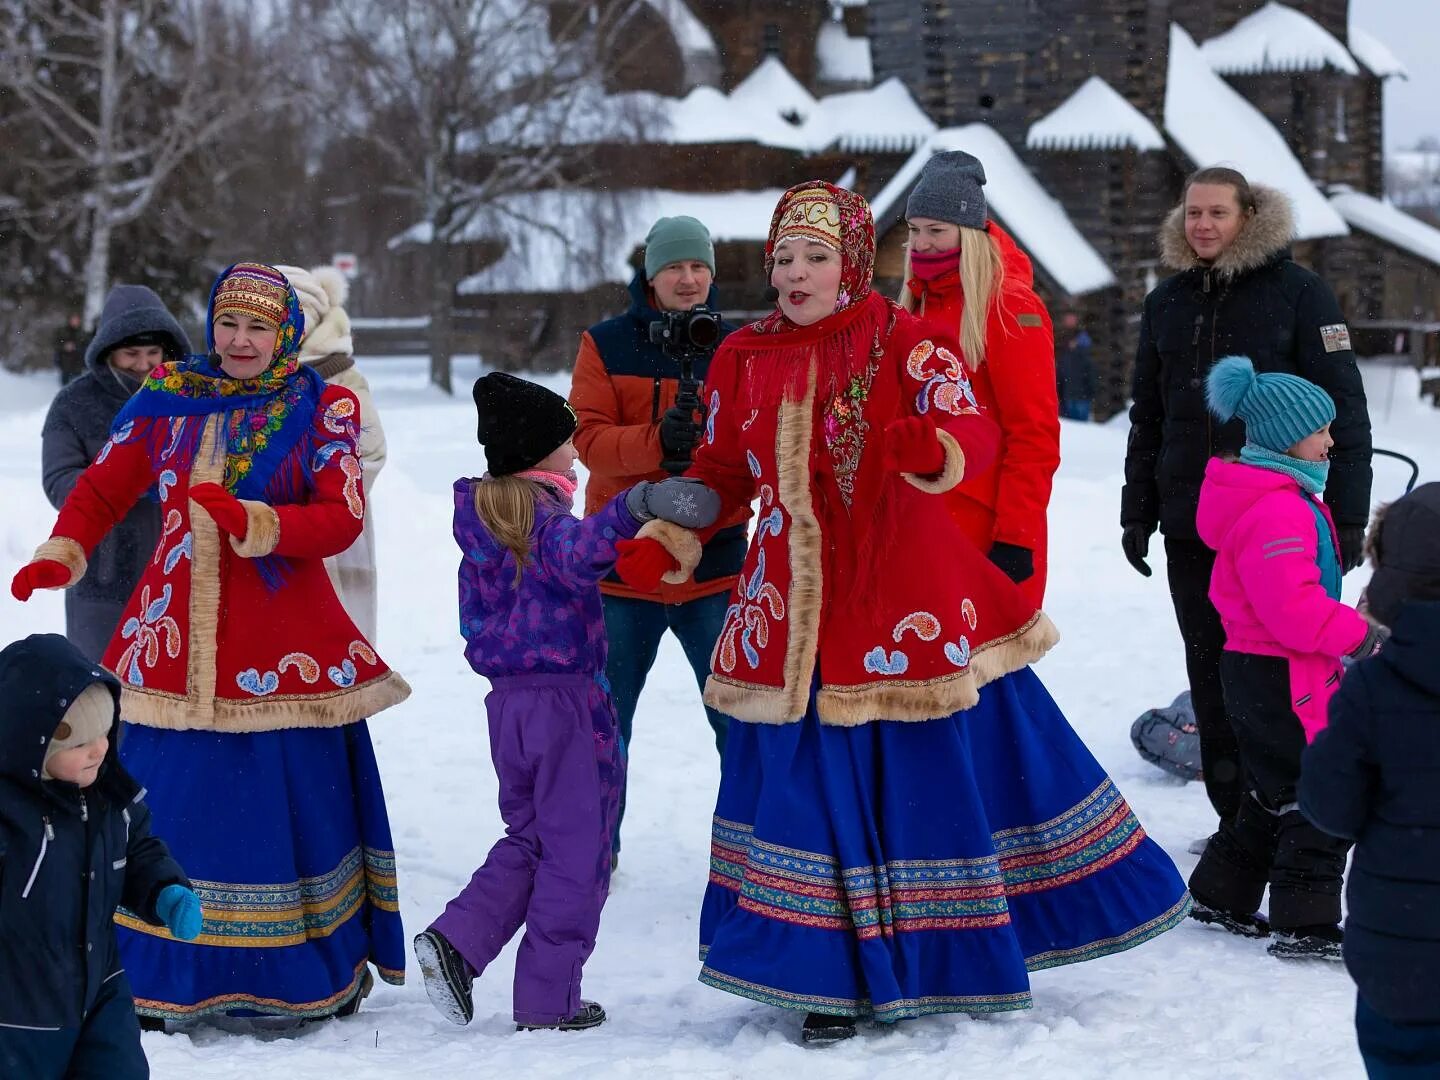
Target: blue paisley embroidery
{"type": "Point", "coordinates": [959, 655]}
{"type": "Point", "coordinates": [185, 548]}
{"type": "Point", "coordinates": [165, 482]}
{"type": "Point", "coordinates": [877, 663]}
{"type": "Point", "coordinates": [257, 685]}
{"type": "Point", "coordinates": [344, 675]}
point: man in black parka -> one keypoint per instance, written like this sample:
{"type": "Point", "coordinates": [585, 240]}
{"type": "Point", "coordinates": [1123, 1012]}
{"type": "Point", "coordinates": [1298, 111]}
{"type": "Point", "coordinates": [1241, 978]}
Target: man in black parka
{"type": "Point", "coordinates": [136, 331]}
{"type": "Point", "coordinates": [1246, 298]}
{"type": "Point", "coordinates": [70, 852]}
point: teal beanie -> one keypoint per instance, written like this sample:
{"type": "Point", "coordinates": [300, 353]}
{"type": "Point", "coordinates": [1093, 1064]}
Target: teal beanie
{"type": "Point", "coordinates": [677, 239]}
{"type": "Point", "coordinates": [1278, 409]}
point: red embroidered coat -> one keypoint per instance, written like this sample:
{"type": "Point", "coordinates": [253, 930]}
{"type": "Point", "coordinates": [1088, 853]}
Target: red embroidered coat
{"type": "Point", "coordinates": [203, 643]}
{"type": "Point", "coordinates": [1015, 386]}
{"type": "Point", "coordinates": [855, 577]}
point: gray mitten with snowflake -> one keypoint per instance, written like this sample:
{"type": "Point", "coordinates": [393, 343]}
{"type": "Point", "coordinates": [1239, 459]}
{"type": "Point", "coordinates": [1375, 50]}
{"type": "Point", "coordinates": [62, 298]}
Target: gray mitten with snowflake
{"type": "Point", "coordinates": [684, 501]}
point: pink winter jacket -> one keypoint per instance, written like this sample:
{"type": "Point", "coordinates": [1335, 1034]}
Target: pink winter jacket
{"type": "Point", "coordinates": [1266, 585]}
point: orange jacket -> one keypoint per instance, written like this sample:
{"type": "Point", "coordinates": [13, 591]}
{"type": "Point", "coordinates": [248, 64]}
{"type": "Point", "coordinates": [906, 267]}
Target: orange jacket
{"type": "Point", "coordinates": [619, 392]}
{"type": "Point", "coordinates": [1016, 388]}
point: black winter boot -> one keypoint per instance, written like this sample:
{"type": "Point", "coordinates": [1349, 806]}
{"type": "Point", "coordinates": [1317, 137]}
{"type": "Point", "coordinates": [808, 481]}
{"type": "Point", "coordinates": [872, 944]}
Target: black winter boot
{"type": "Point", "coordinates": [1253, 925]}
{"type": "Point", "coordinates": [1308, 943]}
{"type": "Point", "coordinates": [591, 1014]}
{"type": "Point", "coordinates": [447, 976]}
{"type": "Point", "coordinates": [824, 1028]}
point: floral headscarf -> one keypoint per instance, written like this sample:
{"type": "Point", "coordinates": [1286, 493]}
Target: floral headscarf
{"type": "Point", "coordinates": [837, 218]}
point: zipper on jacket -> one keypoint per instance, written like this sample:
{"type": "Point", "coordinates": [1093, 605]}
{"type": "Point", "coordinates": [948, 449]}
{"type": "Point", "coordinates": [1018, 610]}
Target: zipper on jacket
{"type": "Point", "coordinates": [45, 838]}
{"type": "Point", "coordinates": [655, 403]}
{"type": "Point", "coordinates": [84, 809]}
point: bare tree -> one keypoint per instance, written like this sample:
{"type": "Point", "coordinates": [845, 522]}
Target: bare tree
{"type": "Point", "coordinates": [468, 103]}
{"type": "Point", "coordinates": [122, 95]}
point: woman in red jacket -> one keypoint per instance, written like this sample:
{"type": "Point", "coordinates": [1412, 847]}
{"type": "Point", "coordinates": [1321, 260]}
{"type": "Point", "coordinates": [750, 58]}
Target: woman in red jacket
{"type": "Point", "coordinates": [905, 823]}
{"type": "Point", "coordinates": [244, 685]}
{"type": "Point", "coordinates": [965, 277]}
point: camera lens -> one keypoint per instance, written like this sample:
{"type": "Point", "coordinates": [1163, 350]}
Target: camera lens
{"type": "Point", "coordinates": [704, 330]}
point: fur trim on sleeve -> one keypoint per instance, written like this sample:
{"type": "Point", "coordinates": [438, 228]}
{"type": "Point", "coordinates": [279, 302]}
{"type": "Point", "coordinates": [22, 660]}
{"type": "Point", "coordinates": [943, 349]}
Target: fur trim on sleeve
{"type": "Point", "coordinates": [262, 530]}
{"type": "Point", "coordinates": [679, 542]}
{"type": "Point", "coordinates": [950, 475]}
{"type": "Point", "coordinates": [68, 553]}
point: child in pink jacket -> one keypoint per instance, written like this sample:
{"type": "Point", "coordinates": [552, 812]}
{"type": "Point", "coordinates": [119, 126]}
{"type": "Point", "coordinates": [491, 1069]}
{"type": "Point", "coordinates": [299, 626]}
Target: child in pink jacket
{"type": "Point", "coordinates": [1276, 586]}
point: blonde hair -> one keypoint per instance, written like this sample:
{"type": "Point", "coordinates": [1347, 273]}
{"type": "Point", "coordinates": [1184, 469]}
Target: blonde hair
{"type": "Point", "coordinates": [506, 506]}
{"type": "Point", "coordinates": [982, 279]}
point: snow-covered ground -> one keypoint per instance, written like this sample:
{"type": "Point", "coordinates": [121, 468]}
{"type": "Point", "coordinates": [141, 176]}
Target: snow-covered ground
{"type": "Point", "coordinates": [1193, 1003]}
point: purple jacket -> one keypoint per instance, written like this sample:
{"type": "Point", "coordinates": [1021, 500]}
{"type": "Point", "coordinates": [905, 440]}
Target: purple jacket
{"type": "Point", "coordinates": [552, 622]}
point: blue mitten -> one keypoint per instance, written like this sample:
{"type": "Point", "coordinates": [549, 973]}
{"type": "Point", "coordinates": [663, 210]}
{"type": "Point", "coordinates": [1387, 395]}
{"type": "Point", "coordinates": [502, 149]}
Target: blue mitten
{"type": "Point", "coordinates": [180, 910]}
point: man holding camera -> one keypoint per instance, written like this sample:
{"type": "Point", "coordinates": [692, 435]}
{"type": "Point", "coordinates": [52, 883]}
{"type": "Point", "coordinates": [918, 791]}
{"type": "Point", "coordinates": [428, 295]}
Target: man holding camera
{"type": "Point", "coordinates": [635, 388]}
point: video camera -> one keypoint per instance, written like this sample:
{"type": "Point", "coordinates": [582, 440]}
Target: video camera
{"type": "Point", "coordinates": [686, 336]}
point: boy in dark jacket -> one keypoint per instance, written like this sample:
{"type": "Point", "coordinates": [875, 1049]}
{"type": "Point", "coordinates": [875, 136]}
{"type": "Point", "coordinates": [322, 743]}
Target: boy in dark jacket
{"type": "Point", "coordinates": [1373, 776]}
{"type": "Point", "coordinates": [74, 844]}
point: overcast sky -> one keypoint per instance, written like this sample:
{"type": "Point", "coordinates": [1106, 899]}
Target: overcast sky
{"type": "Point", "coordinates": [1411, 28]}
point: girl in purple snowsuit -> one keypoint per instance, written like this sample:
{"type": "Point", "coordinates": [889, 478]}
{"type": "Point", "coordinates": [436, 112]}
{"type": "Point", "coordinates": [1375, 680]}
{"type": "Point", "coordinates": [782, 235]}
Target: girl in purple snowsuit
{"type": "Point", "coordinates": [531, 617]}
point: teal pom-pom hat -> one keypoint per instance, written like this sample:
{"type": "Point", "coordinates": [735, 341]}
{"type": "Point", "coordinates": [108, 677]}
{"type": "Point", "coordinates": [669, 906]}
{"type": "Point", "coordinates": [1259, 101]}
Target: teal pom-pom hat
{"type": "Point", "coordinates": [1279, 410]}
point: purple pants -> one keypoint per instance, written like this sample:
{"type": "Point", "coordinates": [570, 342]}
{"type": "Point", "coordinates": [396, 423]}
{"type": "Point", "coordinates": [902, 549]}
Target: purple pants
{"type": "Point", "coordinates": [552, 738]}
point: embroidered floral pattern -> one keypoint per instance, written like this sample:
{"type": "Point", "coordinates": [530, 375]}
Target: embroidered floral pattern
{"type": "Point", "coordinates": [958, 653]}
{"type": "Point", "coordinates": [339, 418]}
{"type": "Point", "coordinates": [925, 625]}
{"type": "Point", "coordinates": [147, 628]}
{"type": "Point", "coordinates": [257, 685]}
{"type": "Point", "coordinates": [710, 415]}
{"type": "Point", "coordinates": [185, 549]}
{"type": "Point", "coordinates": [304, 665]}
{"type": "Point", "coordinates": [359, 650]}
{"type": "Point", "coordinates": [878, 663]}
{"type": "Point", "coordinates": [173, 521]}
{"type": "Point", "coordinates": [118, 437]}
{"type": "Point", "coordinates": [845, 426]}
{"type": "Point", "coordinates": [944, 383]}
{"type": "Point", "coordinates": [250, 431]}
{"type": "Point", "coordinates": [747, 621]}
{"type": "Point", "coordinates": [967, 610]}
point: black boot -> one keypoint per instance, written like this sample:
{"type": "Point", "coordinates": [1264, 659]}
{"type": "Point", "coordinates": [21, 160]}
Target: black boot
{"type": "Point", "coordinates": [1252, 925]}
{"type": "Point", "coordinates": [591, 1014]}
{"type": "Point", "coordinates": [824, 1028]}
{"type": "Point", "coordinates": [151, 1023]}
{"type": "Point", "coordinates": [1308, 943]}
{"type": "Point", "coordinates": [447, 976]}
{"type": "Point", "coordinates": [351, 1007]}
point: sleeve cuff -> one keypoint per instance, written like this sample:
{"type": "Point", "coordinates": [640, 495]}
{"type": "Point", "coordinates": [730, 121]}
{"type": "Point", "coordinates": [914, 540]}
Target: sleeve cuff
{"type": "Point", "coordinates": [262, 530]}
{"type": "Point", "coordinates": [680, 542]}
{"type": "Point", "coordinates": [68, 553]}
{"type": "Point", "coordinates": [949, 476]}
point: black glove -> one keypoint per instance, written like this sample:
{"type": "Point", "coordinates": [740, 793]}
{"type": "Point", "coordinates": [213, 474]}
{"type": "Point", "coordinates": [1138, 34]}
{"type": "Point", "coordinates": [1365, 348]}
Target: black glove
{"type": "Point", "coordinates": [1136, 542]}
{"type": "Point", "coordinates": [1352, 546]}
{"type": "Point", "coordinates": [679, 432]}
{"type": "Point", "coordinates": [684, 501]}
{"type": "Point", "coordinates": [1017, 562]}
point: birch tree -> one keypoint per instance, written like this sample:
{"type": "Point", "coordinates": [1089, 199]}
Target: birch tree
{"type": "Point", "coordinates": [468, 103]}
{"type": "Point", "coordinates": [118, 97]}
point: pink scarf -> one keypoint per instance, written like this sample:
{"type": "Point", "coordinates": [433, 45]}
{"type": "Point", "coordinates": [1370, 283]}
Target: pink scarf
{"type": "Point", "coordinates": [564, 484]}
{"type": "Point", "coordinates": [929, 265]}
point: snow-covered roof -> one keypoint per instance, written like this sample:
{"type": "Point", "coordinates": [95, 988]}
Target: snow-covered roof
{"type": "Point", "coordinates": [1276, 39]}
{"type": "Point", "coordinates": [1214, 125]}
{"type": "Point", "coordinates": [771, 90]}
{"type": "Point", "coordinates": [884, 117]}
{"type": "Point", "coordinates": [1382, 219]}
{"type": "Point", "coordinates": [842, 58]}
{"type": "Point", "coordinates": [1375, 54]}
{"type": "Point", "coordinates": [609, 225]}
{"type": "Point", "coordinates": [690, 33]}
{"type": "Point", "coordinates": [1038, 222]}
{"type": "Point", "coordinates": [1095, 117]}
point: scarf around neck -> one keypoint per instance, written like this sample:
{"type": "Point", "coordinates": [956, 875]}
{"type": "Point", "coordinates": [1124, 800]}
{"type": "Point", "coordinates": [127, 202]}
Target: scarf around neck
{"type": "Point", "coordinates": [1310, 475]}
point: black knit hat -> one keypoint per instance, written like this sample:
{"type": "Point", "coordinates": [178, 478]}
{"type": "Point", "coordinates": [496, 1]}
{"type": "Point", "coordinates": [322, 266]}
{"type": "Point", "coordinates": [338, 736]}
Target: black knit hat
{"type": "Point", "coordinates": [1404, 548]}
{"type": "Point", "coordinates": [521, 423]}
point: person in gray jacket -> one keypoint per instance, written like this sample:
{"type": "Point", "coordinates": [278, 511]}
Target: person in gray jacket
{"type": "Point", "coordinates": [136, 333]}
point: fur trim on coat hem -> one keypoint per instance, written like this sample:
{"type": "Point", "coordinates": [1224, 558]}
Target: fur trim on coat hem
{"type": "Point", "coordinates": [851, 706]}
{"type": "Point", "coordinates": [262, 530]}
{"type": "Point", "coordinates": [682, 544]}
{"type": "Point", "coordinates": [346, 706]}
{"type": "Point", "coordinates": [68, 553]}
{"type": "Point", "coordinates": [948, 477]}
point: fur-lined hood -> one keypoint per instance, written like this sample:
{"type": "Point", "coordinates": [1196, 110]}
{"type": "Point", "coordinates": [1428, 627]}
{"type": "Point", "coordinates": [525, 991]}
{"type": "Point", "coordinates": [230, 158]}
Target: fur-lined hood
{"type": "Point", "coordinates": [1266, 235]}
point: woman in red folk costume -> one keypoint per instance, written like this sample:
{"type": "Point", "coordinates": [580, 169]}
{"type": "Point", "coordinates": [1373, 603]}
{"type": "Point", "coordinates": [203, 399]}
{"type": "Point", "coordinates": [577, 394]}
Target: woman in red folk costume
{"type": "Point", "coordinates": [245, 685]}
{"type": "Point", "coordinates": [965, 277]}
{"type": "Point", "coordinates": [864, 868]}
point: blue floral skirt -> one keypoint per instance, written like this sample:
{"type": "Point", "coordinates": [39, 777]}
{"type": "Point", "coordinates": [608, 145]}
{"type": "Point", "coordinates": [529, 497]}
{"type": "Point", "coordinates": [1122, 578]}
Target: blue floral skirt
{"type": "Point", "coordinates": [896, 869]}
{"type": "Point", "coordinates": [285, 837]}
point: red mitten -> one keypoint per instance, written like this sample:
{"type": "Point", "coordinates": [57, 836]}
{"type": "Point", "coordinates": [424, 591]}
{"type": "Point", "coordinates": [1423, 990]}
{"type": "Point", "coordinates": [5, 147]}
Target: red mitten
{"type": "Point", "coordinates": [40, 574]}
{"type": "Point", "coordinates": [225, 508]}
{"type": "Point", "coordinates": [642, 563]}
{"type": "Point", "coordinates": [913, 446]}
